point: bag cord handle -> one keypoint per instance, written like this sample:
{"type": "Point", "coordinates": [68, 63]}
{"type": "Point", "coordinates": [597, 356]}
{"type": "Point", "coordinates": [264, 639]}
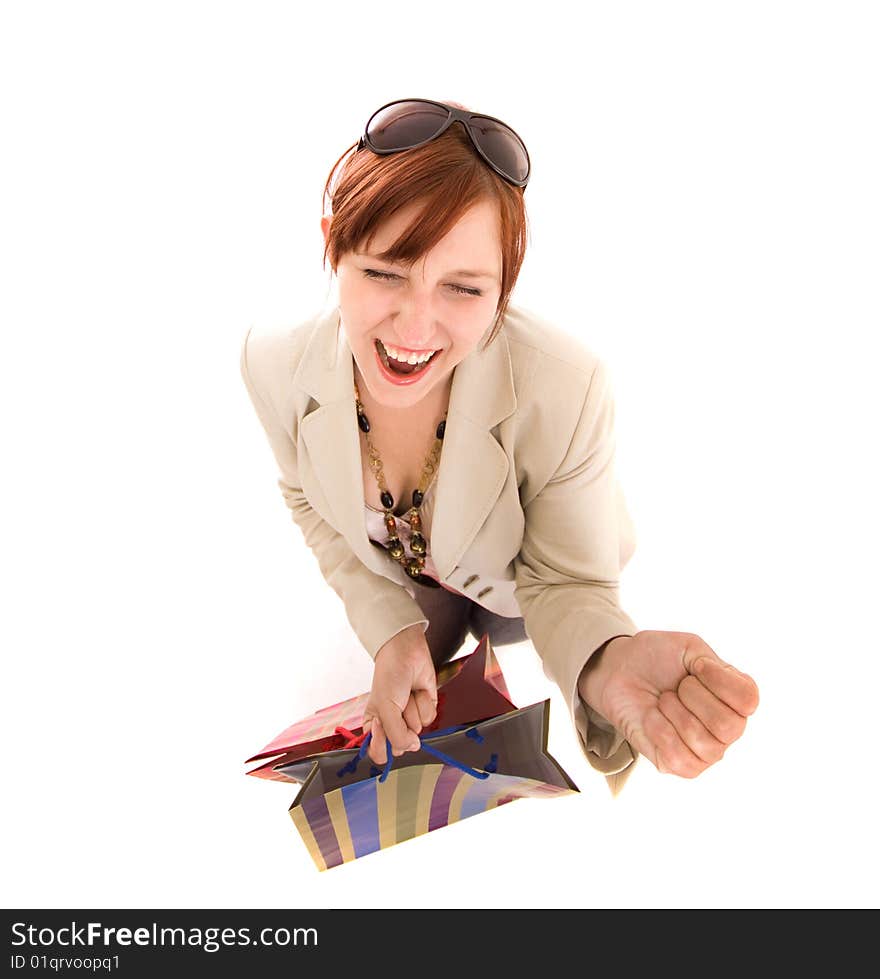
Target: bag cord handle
{"type": "Point", "coordinates": [492, 765]}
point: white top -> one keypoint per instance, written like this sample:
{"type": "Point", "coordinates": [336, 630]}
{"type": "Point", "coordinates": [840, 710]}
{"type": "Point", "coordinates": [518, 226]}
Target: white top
{"type": "Point", "coordinates": [496, 595]}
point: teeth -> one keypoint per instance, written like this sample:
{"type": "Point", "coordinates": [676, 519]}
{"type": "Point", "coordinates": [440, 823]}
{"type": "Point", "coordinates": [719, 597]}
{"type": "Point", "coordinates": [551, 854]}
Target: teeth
{"type": "Point", "coordinates": [406, 358]}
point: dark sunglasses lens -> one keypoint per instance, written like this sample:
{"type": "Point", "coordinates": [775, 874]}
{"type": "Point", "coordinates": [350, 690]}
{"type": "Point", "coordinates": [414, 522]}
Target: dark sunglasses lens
{"type": "Point", "coordinates": [503, 147]}
{"type": "Point", "coordinates": [404, 124]}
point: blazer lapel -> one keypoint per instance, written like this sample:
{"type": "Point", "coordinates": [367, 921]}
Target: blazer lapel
{"type": "Point", "coordinates": [473, 466]}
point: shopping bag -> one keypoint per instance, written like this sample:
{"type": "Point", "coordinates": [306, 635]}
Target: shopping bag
{"type": "Point", "coordinates": [480, 752]}
{"type": "Point", "coordinates": [470, 688]}
{"type": "Point", "coordinates": [343, 812]}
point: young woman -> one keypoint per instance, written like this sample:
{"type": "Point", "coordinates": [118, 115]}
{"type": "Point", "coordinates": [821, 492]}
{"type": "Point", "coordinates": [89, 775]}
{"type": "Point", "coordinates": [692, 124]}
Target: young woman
{"type": "Point", "coordinates": [449, 456]}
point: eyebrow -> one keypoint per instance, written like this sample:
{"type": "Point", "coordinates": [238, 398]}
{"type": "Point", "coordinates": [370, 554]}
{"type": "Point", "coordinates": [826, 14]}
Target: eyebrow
{"type": "Point", "coordinates": [467, 273]}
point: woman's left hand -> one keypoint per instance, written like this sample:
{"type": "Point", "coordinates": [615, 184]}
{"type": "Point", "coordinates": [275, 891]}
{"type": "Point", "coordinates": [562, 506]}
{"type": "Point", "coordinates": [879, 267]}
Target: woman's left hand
{"type": "Point", "coordinates": [672, 698]}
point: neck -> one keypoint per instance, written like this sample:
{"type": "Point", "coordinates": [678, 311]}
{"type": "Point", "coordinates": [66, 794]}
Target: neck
{"type": "Point", "coordinates": [432, 406]}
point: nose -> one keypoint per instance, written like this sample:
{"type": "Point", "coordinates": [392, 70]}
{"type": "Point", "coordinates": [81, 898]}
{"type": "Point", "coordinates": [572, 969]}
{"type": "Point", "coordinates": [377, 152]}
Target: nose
{"type": "Point", "coordinates": [414, 325]}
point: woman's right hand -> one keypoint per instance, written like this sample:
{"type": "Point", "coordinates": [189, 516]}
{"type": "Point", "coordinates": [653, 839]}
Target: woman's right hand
{"type": "Point", "coordinates": [403, 698]}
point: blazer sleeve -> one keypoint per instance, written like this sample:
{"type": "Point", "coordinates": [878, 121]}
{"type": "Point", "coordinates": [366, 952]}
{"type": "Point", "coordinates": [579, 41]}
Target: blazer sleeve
{"type": "Point", "coordinates": [576, 540]}
{"type": "Point", "coordinates": [376, 607]}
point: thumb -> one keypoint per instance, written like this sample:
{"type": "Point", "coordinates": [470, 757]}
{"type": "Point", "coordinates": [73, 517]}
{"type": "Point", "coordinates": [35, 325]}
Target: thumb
{"type": "Point", "coordinates": [425, 695]}
{"type": "Point", "coordinates": [426, 706]}
{"type": "Point", "coordinates": [696, 649]}
{"type": "Point", "coordinates": [722, 679]}
{"type": "Point", "coordinates": [424, 678]}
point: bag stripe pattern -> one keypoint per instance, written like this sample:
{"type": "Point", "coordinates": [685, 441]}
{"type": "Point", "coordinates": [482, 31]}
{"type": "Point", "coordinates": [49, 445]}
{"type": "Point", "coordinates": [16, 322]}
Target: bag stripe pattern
{"type": "Point", "coordinates": [367, 816]}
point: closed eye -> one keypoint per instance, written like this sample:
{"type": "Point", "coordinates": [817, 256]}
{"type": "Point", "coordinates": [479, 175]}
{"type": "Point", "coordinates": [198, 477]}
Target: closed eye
{"type": "Point", "coordinates": [388, 276]}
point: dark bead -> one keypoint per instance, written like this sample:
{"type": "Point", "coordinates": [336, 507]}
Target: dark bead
{"type": "Point", "coordinates": [363, 424]}
{"type": "Point", "coordinates": [417, 544]}
{"type": "Point", "coordinates": [417, 498]}
{"type": "Point", "coordinates": [413, 567]}
{"type": "Point", "coordinates": [395, 548]}
{"type": "Point", "coordinates": [387, 500]}
{"type": "Point", "coordinates": [441, 429]}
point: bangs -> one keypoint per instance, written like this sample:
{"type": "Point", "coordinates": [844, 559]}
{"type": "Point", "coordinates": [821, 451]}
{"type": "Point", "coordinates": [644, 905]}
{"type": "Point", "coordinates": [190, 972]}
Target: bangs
{"type": "Point", "coordinates": [437, 216]}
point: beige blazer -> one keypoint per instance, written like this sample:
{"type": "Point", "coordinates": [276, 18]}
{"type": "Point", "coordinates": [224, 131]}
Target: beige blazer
{"type": "Point", "coordinates": [526, 491]}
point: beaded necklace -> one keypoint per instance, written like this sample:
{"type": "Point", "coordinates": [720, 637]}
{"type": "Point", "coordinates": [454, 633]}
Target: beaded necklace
{"type": "Point", "coordinates": [415, 564]}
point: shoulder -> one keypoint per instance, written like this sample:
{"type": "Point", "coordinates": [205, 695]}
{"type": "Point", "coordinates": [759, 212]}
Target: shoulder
{"type": "Point", "coordinates": [270, 354]}
{"type": "Point", "coordinates": [563, 398]}
{"type": "Point", "coordinates": [551, 366]}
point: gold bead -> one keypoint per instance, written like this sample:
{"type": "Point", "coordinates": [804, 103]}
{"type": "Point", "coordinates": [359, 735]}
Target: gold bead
{"type": "Point", "coordinates": [395, 549]}
{"type": "Point", "coordinates": [417, 545]}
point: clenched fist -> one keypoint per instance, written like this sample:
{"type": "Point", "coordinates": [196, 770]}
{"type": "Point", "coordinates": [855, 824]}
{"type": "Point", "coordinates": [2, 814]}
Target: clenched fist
{"type": "Point", "coordinates": [672, 698]}
{"type": "Point", "coordinates": [403, 698]}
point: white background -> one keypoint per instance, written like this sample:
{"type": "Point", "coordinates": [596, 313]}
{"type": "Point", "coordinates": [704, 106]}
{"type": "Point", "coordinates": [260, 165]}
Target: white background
{"type": "Point", "coordinates": [704, 214]}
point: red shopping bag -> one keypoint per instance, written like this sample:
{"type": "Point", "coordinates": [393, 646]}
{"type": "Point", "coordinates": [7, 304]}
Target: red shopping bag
{"type": "Point", "coordinates": [470, 688]}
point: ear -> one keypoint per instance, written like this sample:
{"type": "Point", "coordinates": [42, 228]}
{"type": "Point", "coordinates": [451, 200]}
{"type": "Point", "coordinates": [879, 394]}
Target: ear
{"type": "Point", "coordinates": [325, 227]}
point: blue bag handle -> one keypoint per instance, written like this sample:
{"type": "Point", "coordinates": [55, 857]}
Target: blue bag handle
{"type": "Point", "coordinates": [492, 766]}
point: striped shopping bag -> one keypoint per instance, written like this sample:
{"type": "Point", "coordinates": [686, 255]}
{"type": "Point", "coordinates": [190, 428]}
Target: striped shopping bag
{"type": "Point", "coordinates": [347, 807]}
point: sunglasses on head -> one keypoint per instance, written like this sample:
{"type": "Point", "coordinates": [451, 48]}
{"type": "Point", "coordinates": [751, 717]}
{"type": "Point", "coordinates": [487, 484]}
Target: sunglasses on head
{"type": "Point", "coordinates": [408, 123]}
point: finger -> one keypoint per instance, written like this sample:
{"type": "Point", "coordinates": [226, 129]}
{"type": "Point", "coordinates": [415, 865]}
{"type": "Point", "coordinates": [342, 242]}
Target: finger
{"type": "Point", "coordinates": [738, 690]}
{"type": "Point", "coordinates": [722, 721]}
{"type": "Point", "coordinates": [377, 750]}
{"type": "Point", "coordinates": [401, 737]}
{"type": "Point", "coordinates": [691, 729]}
{"type": "Point", "coordinates": [669, 752]}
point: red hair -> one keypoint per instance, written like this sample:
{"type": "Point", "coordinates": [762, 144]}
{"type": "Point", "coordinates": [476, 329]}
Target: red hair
{"type": "Point", "coordinates": [448, 178]}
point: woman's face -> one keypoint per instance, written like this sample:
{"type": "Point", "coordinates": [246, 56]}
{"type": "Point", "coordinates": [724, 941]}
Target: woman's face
{"type": "Point", "coordinates": [390, 312]}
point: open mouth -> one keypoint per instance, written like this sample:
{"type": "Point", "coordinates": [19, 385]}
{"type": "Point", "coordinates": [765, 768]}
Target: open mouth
{"type": "Point", "coordinates": [399, 366]}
